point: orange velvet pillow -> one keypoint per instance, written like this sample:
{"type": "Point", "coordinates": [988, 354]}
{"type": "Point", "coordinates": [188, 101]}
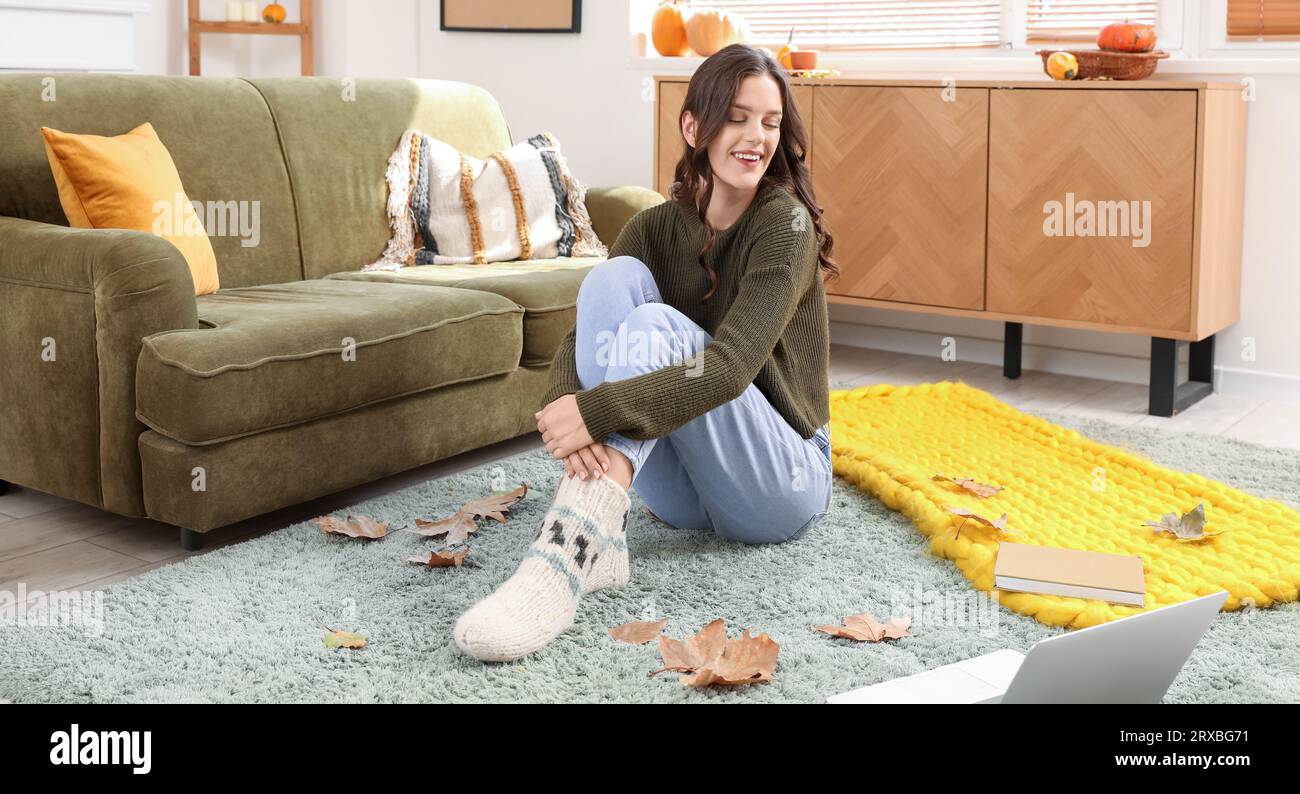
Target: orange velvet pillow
{"type": "Point", "coordinates": [130, 182]}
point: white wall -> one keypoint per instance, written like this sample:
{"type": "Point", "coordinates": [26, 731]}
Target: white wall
{"type": "Point", "coordinates": [162, 47]}
{"type": "Point", "coordinates": [1271, 252]}
{"type": "Point", "coordinates": [352, 38]}
{"type": "Point", "coordinates": [577, 85]}
{"type": "Point", "coordinates": [588, 91]}
{"type": "Point", "coordinates": [377, 38]}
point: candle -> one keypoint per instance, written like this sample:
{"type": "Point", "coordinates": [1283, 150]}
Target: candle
{"type": "Point", "coordinates": [234, 11]}
{"type": "Point", "coordinates": [250, 11]}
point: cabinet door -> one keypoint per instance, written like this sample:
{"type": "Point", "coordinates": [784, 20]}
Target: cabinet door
{"type": "Point", "coordinates": [902, 175]}
{"type": "Point", "coordinates": [670, 144]}
{"type": "Point", "coordinates": [803, 97]}
{"type": "Point", "coordinates": [1091, 200]}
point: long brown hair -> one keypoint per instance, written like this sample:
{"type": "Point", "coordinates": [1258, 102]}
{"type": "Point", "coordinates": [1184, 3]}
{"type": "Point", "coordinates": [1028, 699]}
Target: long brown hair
{"type": "Point", "coordinates": [709, 96]}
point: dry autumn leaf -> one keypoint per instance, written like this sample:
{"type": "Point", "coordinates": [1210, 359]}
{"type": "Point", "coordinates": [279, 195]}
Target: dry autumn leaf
{"type": "Point", "coordinates": [746, 660]}
{"type": "Point", "coordinates": [865, 628]}
{"type": "Point", "coordinates": [1189, 526]}
{"type": "Point", "coordinates": [441, 559]}
{"type": "Point", "coordinates": [710, 658]}
{"type": "Point", "coordinates": [343, 639]}
{"type": "Point", "coordinates": [691, 653]}
{"type": "Point", "coordinates": [638, 632]}
{"type": "Point", "coordinates": [982, 490]}
{"type": "Point", "coordinates": [461, 524]}
{"type": "Point", "coordinates": [354, 526]}
{"type": "Point", "coordinates": [999, 524]}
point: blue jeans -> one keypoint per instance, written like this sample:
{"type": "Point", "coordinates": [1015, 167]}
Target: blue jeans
{"type": "Point", "coordinates": [739, 470]}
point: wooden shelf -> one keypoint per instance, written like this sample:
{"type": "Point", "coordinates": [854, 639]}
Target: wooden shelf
{"type": "Point", "coordinates": [303, 30]}
{"type": "Point", "coordinates": [263, 28]}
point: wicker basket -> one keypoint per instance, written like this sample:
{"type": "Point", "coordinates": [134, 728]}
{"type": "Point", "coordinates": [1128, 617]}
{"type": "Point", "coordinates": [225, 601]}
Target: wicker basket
{"type": "Point", "coordinates": [1111, 65]}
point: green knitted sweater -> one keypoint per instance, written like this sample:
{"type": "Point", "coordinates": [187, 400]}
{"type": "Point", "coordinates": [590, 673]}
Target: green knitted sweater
{"type": "Point", "coordinates": [768, 321]}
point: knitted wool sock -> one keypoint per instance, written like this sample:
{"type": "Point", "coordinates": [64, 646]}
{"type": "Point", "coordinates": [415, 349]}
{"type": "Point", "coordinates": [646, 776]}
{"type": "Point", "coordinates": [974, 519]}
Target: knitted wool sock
{"type": "Point", "coordinates": [611, 568]}
{"type": "Point", "coordinates": [579, 547]}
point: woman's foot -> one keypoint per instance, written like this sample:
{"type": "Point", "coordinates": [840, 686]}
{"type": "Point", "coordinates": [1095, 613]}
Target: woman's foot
{"type": "Point", "coordinates": [580, 547]}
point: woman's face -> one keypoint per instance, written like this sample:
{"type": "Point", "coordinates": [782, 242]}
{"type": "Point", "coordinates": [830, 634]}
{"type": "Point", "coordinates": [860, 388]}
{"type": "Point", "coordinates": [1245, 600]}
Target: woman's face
{"type": "Point", "coordinates": [748, 139]}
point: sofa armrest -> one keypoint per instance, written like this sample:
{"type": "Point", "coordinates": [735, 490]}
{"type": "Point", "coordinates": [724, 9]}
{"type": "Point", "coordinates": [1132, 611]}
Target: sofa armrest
{"type": "Point", "coordinates": [612, 207]}
{"type": "Point", "coordinates": [77, 304]}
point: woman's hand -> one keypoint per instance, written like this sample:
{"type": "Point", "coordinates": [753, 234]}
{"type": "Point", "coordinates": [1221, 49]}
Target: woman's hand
{"type": "Point", "coordinates": [562, 428]}
{"type": "Point", "coordinates": [590, 461]}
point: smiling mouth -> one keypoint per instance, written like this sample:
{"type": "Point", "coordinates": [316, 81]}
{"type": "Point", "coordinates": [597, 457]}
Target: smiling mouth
{"type": "Point", "coordinates": [747, 158]}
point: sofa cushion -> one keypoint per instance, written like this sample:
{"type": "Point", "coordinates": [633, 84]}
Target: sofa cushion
{"type": "Point", "coordinates": [547, 289]}
{"type": "Point", "coordinates": [219, 132]}
{"type": "Point", "coordinates": [118, 181]}
{"type": "Point", "coordinates": [278, 355]}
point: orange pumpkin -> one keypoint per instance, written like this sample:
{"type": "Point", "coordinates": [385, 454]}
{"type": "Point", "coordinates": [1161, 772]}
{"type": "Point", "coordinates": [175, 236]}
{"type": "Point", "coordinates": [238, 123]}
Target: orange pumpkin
{"type": "Point", "coordinates": [1127, 37]}
{"type": "Point", "coordinates": [783, 54]}
{"type": "Point", "coordinates": [710, 29]}
{"type": "Point", "coordinates": [273, 13]}
{"type": "Point", "coordinates": [668, 29]}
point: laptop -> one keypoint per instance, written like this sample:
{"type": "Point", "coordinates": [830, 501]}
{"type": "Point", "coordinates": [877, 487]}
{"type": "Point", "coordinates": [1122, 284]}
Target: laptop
{"type": "Point", "coordinates": [1128, 660]}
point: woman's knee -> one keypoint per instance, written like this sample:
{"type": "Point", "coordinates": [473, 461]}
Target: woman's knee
{"type": "Point", "coordinates": [659, 316]}
{"type": "Point", "coordinates": [656, 335]}
{"type": "Point", "coordinates": [612, 275]}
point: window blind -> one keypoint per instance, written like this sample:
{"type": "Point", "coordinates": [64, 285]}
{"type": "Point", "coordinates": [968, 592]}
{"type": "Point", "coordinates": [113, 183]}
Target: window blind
{"type": "Point", "coordinates": [1079, 20]}
{"type": "Point", "coordinates": [870, 24]}
{"type": "Point", "coordinates": [1263, 19]}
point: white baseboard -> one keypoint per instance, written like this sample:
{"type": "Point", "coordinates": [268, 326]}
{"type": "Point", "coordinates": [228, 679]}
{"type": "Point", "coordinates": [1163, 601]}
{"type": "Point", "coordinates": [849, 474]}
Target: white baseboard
{"type": "Point", "coordinates": [1253, 383]}
{"type": "Point", "coordinates": [1057, 360]}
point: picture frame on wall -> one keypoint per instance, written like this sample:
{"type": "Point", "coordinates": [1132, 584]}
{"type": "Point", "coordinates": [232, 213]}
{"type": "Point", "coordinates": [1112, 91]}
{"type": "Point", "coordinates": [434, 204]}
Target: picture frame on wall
{"type": "Point", "coordinates": [511, 16]}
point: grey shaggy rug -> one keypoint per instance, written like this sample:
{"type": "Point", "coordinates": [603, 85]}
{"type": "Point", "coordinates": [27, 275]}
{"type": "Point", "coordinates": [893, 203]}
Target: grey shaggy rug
{"type": "Point", "coordinates": [244, 623]}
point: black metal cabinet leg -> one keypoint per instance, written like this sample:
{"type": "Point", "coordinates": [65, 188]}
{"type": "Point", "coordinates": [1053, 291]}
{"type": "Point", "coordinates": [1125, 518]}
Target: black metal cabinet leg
{"type": "Point", "coordinates": [1012, 343]}
{"type": "Point", "coordinates": [191, 540]}
{"type": "Point", "coordinates": [1166, 396]}
{"type": "Point", "coordinates": [1200, 361]}
{"type": "Point", "coordinates": [1164, 376]}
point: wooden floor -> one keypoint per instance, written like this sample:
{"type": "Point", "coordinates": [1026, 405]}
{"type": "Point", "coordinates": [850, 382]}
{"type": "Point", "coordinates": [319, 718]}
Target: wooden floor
{"type": "Point", "coordinates": [53, 544]}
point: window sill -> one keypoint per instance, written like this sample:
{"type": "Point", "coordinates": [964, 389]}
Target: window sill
{"type": "Point", "coordinates": [993, 66]}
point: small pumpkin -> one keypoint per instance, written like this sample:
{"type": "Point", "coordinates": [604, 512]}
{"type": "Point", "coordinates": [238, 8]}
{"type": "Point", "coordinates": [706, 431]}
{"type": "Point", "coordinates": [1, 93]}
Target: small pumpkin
{"type": "Point", "coordinates": [1062, 66]}
{"type": "Point", "coordinates": [668, 29]}
{"type": "Point", "coordinates": [1127, 37]}
{"type": "Point", "coordinates": [273, 13]}
{"type": "Point", "coordinates": [710, 29]}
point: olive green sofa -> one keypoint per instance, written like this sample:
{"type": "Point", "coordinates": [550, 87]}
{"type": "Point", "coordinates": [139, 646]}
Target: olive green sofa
{"type": "Point", "coordinates": [302, 376]}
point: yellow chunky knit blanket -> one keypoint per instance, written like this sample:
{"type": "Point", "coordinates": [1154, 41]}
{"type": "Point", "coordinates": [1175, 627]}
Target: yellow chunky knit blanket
{"type": "Point", "coordinates": [1059, 489]}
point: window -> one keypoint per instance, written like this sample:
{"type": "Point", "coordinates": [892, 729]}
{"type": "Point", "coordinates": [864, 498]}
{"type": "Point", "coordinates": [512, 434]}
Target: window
{"type": "Point", "coordinates": [1263, 19]}
{"type": "Point", "coordinates": [870, 24]}
{"type": "Point", "coordinates": [1049, 21]}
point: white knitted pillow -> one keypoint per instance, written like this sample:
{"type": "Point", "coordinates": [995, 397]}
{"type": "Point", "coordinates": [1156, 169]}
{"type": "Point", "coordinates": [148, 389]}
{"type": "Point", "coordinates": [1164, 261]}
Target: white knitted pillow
{"type": "Point", "coordinates": [446, 207]}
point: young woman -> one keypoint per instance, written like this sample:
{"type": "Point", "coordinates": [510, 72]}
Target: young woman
{"type": "Point", "coordinates": [697, 368]}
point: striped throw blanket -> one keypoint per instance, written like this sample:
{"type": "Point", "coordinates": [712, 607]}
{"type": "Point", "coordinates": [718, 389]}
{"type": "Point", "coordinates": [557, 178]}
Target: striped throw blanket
{"type": "Point", "coordinates": [447, 208]}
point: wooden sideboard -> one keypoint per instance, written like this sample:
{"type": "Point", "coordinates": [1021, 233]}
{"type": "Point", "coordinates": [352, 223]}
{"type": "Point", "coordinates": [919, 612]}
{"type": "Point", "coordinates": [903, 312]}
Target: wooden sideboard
{"type": "Point", "coordinates": [1108, 206]}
